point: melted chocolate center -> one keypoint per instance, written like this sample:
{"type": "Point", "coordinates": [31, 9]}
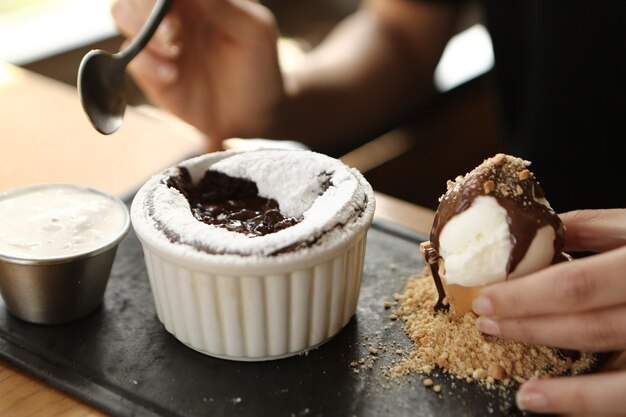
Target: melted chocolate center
{"type": "Point", "coordinates": [231, 203]}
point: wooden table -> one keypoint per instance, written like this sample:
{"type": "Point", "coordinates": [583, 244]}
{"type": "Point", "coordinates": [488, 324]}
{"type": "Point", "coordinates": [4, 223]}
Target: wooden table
{"type": "Point", "coordinates": [45, 137]}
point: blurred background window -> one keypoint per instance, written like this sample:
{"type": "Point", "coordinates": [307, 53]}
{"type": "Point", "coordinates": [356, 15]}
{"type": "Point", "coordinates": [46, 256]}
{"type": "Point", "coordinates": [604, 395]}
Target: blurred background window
{"type": "Point", "coordinates": [31, 30]}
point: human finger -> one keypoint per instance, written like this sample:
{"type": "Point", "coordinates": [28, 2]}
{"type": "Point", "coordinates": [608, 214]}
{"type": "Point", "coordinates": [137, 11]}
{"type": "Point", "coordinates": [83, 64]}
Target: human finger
{"type": "Point", "coordinates": [584, 284]}
{"type": "Point", "coordinates": [597, 394]}
{"type": "Point", "coordinates": [596, 331]}
{"type": "Point", "coordinates": [143, 7]}
{"type": "Point", "coordinates": [129, 22]}
{"type": "Point", "coordinates": [594, 230]}
{"type": "Point", "coordinates": [152, 72]}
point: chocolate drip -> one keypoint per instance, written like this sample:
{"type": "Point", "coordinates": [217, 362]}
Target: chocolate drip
{"type": "Point", "coordinates": [508, 181]}
{"type": "Point", "coordinates": [231, 203]}
{"type": "Point", "coordinates": [568, 354]}
{"type": "Point", "coordinates": [432, 259]}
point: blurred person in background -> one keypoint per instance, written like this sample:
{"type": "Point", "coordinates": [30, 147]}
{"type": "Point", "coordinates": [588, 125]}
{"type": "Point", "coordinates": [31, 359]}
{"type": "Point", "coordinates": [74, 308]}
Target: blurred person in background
{"type": "Point", "coordinates": [560, 73]}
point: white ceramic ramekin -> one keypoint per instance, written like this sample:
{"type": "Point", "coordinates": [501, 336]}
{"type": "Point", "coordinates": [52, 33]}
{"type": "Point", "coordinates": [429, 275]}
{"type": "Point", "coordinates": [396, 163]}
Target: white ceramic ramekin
{"type": "Point", "coordinates": [254, 309]}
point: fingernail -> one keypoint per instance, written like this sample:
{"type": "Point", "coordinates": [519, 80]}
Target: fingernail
{"type": "Point", "coordinates": [536, 401]}
{"type": "Point", "coordinates": [167, 73]}
{"type": "Point", "coordinates": [487, 325]}
{"type": "Point", "coordinates": [482, 305]}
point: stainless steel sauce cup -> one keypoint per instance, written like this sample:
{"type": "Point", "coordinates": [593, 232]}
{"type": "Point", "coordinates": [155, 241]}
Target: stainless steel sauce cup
{"type": "Point", "coordinates": [58, 289]}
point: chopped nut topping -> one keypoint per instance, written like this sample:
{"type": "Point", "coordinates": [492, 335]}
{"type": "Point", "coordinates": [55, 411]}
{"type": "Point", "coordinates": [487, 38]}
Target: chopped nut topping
{"type": "Point", "coordinates": [428, 382]}
{"type": "Point", "coordinates": [424, 246]}
{"type": "Point", "coordinates": [523, 175]}
{"type": "Point", "coordinates": [489, 186]}
{"type": "Point", "coordinates": [518, 190]}
{"type": "Point", "coordinates": [373, 350]}
{"type": "Point", "coordinates": [499, 159]}
{"type": "Point", "coordinates": [437, 388]}
{"type": "Point", "coordinates": [449, 184]}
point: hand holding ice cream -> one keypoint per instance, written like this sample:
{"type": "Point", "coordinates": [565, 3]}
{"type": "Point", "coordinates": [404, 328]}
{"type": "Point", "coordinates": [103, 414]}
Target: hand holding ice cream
{"type": "Point", "coordinates": [575, 305]}
{"type": "Point", "coordinates": [476, 246]}
{"type": "Point", "coordinates": [493, 224]}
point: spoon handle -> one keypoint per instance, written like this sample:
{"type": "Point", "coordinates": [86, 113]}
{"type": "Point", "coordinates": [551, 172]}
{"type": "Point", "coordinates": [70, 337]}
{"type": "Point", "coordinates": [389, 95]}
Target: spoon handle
{"type": "Point", "coordinates": [159, 11]}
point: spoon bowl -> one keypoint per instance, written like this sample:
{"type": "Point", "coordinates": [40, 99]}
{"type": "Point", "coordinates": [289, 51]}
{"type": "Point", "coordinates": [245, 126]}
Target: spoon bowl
{"type": "Point", "coordinates": [101, 90]}
{"type": "Point", "coordinates": [101, 76]}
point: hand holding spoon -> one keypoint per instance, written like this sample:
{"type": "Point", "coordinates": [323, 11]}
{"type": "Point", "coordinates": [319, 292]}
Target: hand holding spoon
{"type": "Point", "coordinates": [101, 76]}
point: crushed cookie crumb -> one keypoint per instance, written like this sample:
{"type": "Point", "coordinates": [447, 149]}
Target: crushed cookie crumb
{"type": "Point", "coordinates": [496, 371]}
{"type": "Point", "coordinates": [455, 345]}
{"type": "Point", "coordinates": [503, 189]}
{"type": "Point", "coordinates": [479, 373]}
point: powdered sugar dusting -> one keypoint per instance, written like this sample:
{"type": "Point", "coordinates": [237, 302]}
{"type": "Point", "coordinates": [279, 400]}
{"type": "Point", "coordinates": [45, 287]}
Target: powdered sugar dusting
{"type": "Point", "coordinates": [332, 199]}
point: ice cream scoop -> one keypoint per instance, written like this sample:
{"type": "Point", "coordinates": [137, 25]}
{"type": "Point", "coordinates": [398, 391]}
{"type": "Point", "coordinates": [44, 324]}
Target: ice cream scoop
{"type": "Point", "coordinates": [491, 225]}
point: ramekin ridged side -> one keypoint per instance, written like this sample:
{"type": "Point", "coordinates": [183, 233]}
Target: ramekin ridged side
{"type": "Point", "coordinates": [257, 317]}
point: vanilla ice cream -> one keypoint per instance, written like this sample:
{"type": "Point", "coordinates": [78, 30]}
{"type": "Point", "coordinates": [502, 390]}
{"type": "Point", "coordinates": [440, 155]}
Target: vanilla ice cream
{"type": "Point", "coordinates": [491, 225]}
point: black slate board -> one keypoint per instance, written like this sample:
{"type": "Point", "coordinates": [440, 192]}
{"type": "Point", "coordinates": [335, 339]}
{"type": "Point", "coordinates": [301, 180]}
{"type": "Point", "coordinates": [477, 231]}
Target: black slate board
{"type": "Point", "coordinates": [121, 360]}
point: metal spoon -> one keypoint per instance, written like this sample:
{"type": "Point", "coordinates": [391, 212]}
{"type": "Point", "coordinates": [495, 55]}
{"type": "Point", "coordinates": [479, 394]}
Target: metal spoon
{"type": "Point", "coordinates": [101, 76]}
